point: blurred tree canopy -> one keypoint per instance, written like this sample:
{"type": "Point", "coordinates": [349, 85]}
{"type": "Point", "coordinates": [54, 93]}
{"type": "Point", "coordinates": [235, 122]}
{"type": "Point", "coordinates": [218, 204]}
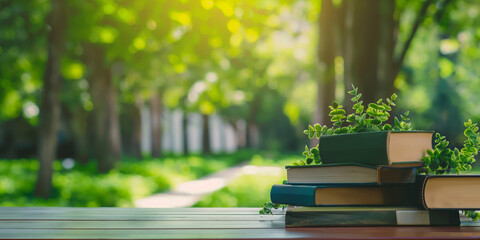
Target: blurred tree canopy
{"type": "Point", "coordinates": [76, 76]}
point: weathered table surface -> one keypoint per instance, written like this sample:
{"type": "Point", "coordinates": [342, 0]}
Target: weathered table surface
{"type": "Point", "coordinates": [192, 223]}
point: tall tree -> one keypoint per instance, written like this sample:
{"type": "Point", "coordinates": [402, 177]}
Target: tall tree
{"type": "Point", "coordinates": [156, 122]}
{"type": "Point", "coordinates": [50, 105]}
{"type": "Point", "coordinates": [326, 53]}
{"type": "Point", "coordinates": [105, 100]}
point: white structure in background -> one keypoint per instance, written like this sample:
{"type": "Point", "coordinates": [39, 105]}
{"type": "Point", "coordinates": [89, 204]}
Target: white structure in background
{"type": "Point", "coordinates": [222, 135]}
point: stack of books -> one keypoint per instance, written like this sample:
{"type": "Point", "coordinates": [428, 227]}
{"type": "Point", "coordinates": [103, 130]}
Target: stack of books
{"type": "Point", "coordinates": [370, 179]}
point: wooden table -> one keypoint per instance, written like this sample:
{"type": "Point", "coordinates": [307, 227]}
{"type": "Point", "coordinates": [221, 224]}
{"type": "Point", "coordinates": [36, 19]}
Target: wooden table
{"type": "Point", "coordinates": [192, 223]}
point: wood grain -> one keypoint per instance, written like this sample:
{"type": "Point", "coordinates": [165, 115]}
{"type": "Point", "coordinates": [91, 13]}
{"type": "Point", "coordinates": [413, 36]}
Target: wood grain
{"type": "Point", "coordinates": [193, 223]}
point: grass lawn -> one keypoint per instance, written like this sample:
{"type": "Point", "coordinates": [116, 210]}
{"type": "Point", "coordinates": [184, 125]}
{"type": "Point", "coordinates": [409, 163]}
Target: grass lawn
{"type": "Point", "coordinates": [251, 189]}
{"type": "Point", "coordinates": [82, 186]}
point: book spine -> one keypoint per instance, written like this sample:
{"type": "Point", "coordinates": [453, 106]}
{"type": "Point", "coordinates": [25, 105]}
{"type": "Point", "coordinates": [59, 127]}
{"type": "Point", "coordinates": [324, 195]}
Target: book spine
{"type": "Point", "coordinates": [364, 148]}
{"type": "Point", "coordinates": [371, 218]}
{"type": "Point", "coordinates": [302, 195]}
{"type": "Point", "coordinates": [339, 218]}
{"type": "Point", "coordinates": [420, 182]}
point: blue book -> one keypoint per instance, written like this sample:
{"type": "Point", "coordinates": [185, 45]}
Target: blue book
{"type": "Point", "coordinates": [346, 195]}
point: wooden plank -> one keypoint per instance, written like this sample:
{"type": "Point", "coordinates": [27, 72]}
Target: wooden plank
{"type": "Point", "coordinates": [148, 234]}
{"type": "Point", "coordinates": [85, 217]}
{"type": "Point", "coordinates": [304, 233]}
{"type": "Point", "coordinates": [123, 211]}
{"type": "Point", "coordinates": [167, 224]}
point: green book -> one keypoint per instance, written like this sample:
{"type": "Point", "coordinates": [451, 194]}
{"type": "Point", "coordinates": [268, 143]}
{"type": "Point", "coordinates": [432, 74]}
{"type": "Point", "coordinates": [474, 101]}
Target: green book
{"type": "Point", "coordinates": [346, 195]}
{"type": "Point", "coordinates": [368, 216]}
{"type": "Point", "coordinates": [404, 148]}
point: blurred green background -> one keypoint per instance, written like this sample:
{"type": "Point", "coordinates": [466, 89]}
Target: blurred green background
{"type": "Point", "coordinates": [103, 102]}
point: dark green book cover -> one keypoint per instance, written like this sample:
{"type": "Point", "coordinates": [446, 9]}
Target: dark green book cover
{"type": "Point", "coordinates": [368, 216]}
{"type": "Point", "coordinates": [346, 195]}
{"type": "Point", "coordinates": [375, 148]}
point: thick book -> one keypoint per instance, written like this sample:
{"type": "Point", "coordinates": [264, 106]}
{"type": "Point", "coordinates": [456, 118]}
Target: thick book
{"type": "Point", "coordinates": [368, 216]}
{"type": "Point", "coordinates": [349, 173]}
{"type": "Point", "coordinates": [346, 195]}
{"type": "Point", "coordinates": [376, 148]}
{"type": "Point", "coordinates": [450, 191]}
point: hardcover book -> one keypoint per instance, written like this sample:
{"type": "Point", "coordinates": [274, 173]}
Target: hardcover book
{"type": "Point", "coordinates": [368, 216]}
{"type": "Point", "coordinates": [349, 173]}
{"type": "Point", "coordinates": [346, 195]}
{"type": "Point", "coordinates": [376, 148]}
{"type": "Point", "coordinates": [450, 191]}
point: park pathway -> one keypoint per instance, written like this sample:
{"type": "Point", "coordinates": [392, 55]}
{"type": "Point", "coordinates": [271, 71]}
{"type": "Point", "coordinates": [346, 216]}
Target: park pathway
{"type": "Point", "coordinates": [188, 193]}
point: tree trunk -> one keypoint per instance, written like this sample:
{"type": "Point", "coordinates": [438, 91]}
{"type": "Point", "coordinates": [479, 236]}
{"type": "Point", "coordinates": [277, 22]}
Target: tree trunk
{"type": "Point", "coordinates": [137, 128]}
{"type": "Point", "coordinates": [361, 48]}
{"type": "Point", "coordinates": [185, 132]}
{"type": "Point", "coordinates": [326, 60]}
{"type": "Point", "coordinates": [79, 130]}
{"type": "Point", "coordinates": [155, 116]}
{"type": "Point", "coordinates": [252, 127]}
{"type": "Point", "coordinates": [386, 46]}
{"type": "Point", "coordinates": [105, 112]}
{"type": "Point", "coordinates": [50, 105]}
{"type": "Point", "coordinates": [206, 134]}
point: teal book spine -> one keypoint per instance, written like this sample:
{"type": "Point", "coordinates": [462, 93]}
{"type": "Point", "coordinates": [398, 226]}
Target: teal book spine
{"type": "Point", "coordinates": [346, 195]}
{"type": "Point", "coordinates": [365, 148]}
{"type": "Point", "coordinates": [328, 217]}
{"type": "Point", "coordinates": [301, 195]}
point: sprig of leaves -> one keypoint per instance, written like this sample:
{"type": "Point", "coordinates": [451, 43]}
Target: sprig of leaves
{"type": "Point", "coordinates": [267, 208]}
{"type": "Point", "coordinates": [472, 214]}
{"type": "Point", "coordinates": [404, 124]}
{"type": "Point", "coordinates": [361, 120]}
{"type": "Point", "coordinates": [442, 160]}
{"type": "Point", "coordinates": [311, 155]}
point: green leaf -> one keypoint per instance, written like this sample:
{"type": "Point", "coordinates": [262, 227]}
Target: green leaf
{"type": "Point", "coordinates": [311, 134]}
{"type": "Point", "coordinates": [386, 107]}
{"type": "Point", "coordinates": [376, 106]}
{"type": "Point", "coordinates": [338, 124]}
{"type": "Point", "coordinates": [376, 121]}
{"type": "Point", "coordinates": [334, 105]}
{"type": "Point", "coordinates": [337, 118]}
{"type": "Point", "coordinates": [429, 152]}
{"type": "Point", "coordinates": [394, 96]}
{"type": "Point", "coordinates": [372, 113]}
{"type": "Point", "coordinates": [315, 152]}
{"type": "Point", "coordinates": [317, 127]}
{"type": "Point", "coordinates": [337, 111]}
{"type": "Point", "coordinates": [387, 127]}
{"type": "Point", "coordinates": [351, 118]}
{"type": "Point", "coordinates": [469, 133]}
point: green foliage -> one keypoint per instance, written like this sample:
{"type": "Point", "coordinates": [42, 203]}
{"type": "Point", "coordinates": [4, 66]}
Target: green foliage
{"type": "Point", "coordinates": [361, 120]}
{"type": "Point", "coordinates": [442, 160]}
{"type": "Point", "coordinates": [311, 156]}
{"type": "Point", "coordinates": [267, 208]}
{"type": "Point", "coordinates": [82, 186]}
{"type": "Point", "coordinates": [472, 214]}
